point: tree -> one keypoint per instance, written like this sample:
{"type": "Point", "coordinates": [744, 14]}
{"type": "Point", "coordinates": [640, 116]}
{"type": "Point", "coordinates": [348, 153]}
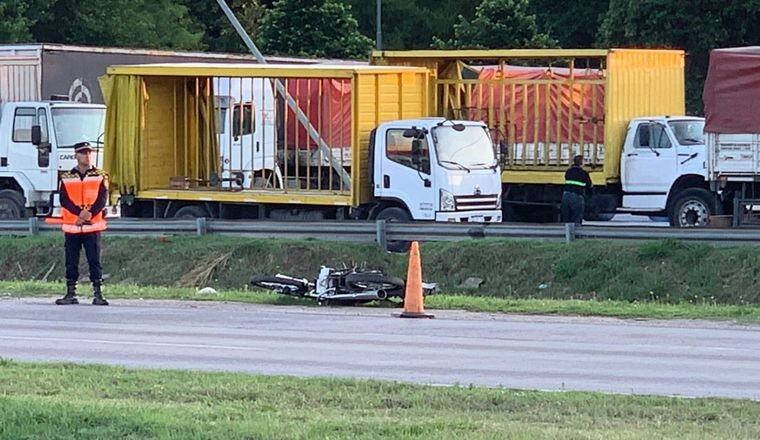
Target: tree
{"type": "Point", "coordinates": [14, 23]}
{"type": "Point", "coordinates": [161, 24]}
{"type": "Point", "coordinates": [318, 28]}
{"type": "Point", "coordinates": [412, 24]}
{"type": "Point", "coordinates": [498, 24]}
{"type": "Point", "coordinates": [573, 23]}
{"type": "Point", "coordinates": [218, 33]}
{"type": "Point", "coordinates": [699, 27]}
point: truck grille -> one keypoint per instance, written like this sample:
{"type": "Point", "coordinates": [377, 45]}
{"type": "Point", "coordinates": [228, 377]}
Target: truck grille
{"type": "Point", "coordinates": [475, 203]}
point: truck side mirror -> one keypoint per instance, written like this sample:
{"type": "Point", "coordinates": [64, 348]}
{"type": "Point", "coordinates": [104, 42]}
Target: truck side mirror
{"type": "Point", "coordinates": [503, 149]}
{"type": "Point", "coordinates": [36, 135]}
{"type": "Point", "coordinates": [417, 152]}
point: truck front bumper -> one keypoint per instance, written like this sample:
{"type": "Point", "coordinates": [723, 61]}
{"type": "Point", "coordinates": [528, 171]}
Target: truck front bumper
{"type": "Point", "coordinates": [469, 216]}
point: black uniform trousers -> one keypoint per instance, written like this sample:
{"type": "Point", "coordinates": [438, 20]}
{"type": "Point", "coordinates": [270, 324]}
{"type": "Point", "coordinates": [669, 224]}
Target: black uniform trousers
{"type": "Point", "coordinates": [573, 206]}
{"type": "Point", "coordinates": [91, 244]}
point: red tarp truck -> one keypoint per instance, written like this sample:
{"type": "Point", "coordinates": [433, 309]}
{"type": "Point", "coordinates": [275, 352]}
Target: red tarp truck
{"type": "Point", "coordinates": [732, 108]}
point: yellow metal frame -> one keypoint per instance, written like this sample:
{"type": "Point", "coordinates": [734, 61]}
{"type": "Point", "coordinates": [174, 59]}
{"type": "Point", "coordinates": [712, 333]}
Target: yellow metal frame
{"type": "Point", "coordinates": [256, 70]}
{"type": "Point", "coordinates": [638, 83]}
{"type": "Point", "coordinates": [490, 53]}
{"type": "Point", "coordinates": [380, 94]}
{"type": "Point", "coordinates": [546, 177]}
{"type": "Point", "coordinates": [294, 198]}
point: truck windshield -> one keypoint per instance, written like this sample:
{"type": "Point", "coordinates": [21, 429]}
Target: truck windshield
{"type": "Point", "coordinates": [689, 132]}
{"type": "Point", "coordinates": [470, 148]}
{"type": "Point", "coordinates": [73, 125]}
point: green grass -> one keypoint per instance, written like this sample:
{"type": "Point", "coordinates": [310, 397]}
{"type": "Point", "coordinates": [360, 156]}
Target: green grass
{"type": "Point", "coordinates": [590, 277]}
{"type": "Point", "coordinates": [63, 401]}
{"type": "Point", "coordinates": [609, 308]}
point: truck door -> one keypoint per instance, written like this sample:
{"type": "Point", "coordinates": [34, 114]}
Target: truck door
{"type": "Point", "coordinates": [399, 178]}
{"type": "Point", "coordinates": [649, 167]}
{"type": "Point", "coordinates": [32, 161]}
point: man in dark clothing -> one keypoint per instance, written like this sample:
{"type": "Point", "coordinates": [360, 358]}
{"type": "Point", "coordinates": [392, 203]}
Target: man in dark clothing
{"type": "Point", "coordinates": [84, 195]}
{"type": "Point", "coordinates": [577, 181]}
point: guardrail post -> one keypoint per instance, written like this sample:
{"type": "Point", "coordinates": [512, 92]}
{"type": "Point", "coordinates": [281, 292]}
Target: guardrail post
{"type": "Point", "coordinates": [735, 221]}
{"type": "Point", "coordinates": [34, 225]}
{"type": "Point", "coordinates": [200, 226]}
{"type": "Point", "coordinates": [380, 234]}
{"type": "Point", "coordinates": [569, 232]}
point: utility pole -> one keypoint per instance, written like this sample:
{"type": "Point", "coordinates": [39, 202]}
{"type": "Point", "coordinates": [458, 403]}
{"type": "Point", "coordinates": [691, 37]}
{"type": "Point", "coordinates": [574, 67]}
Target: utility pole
{"type": "Point", "coordinates": [280, 87]}
{"type": "Point", "coordinates": [379, 25]}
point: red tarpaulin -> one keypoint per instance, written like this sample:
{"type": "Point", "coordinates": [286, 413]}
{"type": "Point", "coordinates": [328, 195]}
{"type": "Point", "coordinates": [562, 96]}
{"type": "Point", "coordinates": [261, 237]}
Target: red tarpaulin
{"type": "Point", "coordinates": [327, 104]}
{"type": "Point", "coordinates": [549, 104]}
{"type": "Point", "coordinates": [732, 91]}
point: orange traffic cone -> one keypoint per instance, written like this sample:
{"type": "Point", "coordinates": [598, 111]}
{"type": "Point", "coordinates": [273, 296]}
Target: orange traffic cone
{"type": "Point", "coordinates": [413, 297]}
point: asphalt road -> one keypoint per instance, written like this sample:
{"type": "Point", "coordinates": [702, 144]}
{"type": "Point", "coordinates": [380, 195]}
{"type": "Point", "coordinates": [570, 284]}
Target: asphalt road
{"type": "Point", "coordinates": [688, 358]}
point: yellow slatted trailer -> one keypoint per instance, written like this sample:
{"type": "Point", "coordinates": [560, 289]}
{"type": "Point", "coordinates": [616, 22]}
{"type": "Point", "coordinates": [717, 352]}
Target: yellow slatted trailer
{"type": "Point", "coordinates": [160, 129]}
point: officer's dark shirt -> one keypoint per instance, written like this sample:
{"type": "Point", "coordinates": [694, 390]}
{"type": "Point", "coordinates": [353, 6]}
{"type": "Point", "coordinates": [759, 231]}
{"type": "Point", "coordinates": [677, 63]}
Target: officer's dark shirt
{"type": "Point", "coordinates": [577, 174]}
{"type": "Point", "coordinates": [100, 202]}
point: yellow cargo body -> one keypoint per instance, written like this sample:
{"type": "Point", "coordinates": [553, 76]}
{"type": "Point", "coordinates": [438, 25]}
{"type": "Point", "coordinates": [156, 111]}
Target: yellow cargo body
{"type": "Point", "coordinates": [605, 89]}
{"type": "Point", "coordinates": [159, 131]}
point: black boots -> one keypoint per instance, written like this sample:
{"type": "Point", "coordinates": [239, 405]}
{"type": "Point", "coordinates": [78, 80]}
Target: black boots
{"type": "Point", "coordinates": [98, 294]}
{"type": "Point", "coordinates": [71, 295]}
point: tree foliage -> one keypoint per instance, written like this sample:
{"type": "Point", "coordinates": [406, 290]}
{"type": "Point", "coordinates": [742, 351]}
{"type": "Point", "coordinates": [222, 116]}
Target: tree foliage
{"type": "Point", "coordinates": [696, 26]}
{"type": "Point", "coordinates": [137, 23]}
{"type": "Point", "coordinates": [218, 33]}
{"type": "Point", "coordinates": [14, 23]}
{"type": "Point", "coordinates": [412, 24]}
{"type": "Point", "coordinates": [572, 23]}
{"type": "Point", "coordinates": [316, 28]}
{"type": "Point", "coordinates": [498, 24]}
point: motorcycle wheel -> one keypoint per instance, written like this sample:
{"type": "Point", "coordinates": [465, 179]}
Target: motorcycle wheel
{"type": "Point", "coordinates": [280, 285]}
{"type": "Point", "coordinates": [393, 286]}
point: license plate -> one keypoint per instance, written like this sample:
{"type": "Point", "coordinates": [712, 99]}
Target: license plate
{"type": "Point", "coordinates": [477, 219]}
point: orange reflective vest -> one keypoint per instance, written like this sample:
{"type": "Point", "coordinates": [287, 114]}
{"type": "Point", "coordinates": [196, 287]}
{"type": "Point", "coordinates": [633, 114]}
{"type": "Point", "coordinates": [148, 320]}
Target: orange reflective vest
{"type": "Point", "coordinates": [83, 193]}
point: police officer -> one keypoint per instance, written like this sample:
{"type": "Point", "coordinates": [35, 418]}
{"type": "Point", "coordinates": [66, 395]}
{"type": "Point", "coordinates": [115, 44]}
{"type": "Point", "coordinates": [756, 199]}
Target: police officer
{"type": "Point", "coordinates": [577, 181]}
{"type": "Point", "coordinates": [83, 193]}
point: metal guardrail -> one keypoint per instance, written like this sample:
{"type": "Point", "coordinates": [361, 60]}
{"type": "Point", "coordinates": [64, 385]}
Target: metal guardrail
{"type": "Point", "coordinates": [381, 232]}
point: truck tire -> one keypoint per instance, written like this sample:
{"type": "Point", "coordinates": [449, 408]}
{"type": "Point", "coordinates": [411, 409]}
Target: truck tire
{"type": "Point", "coordinates": [11, 205]}
{"type": "Point", "coordinates": [692, 208]}
{"type": "Point", "coordinates": [395, 215]}
{"type": "Point", "coordinates": [599, 216]}
{"type": "Point", "coordinates": [191, 212]}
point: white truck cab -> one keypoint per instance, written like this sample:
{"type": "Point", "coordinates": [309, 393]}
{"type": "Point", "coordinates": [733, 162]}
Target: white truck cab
{"type": "Point", "coordinates": [36, 144]}
{"type": "Point", "coordinates": [663, 170]}
{"type": "Point", "coordinates": [245, 109]}
{"type": "Point", "coordinates": [439, 170]}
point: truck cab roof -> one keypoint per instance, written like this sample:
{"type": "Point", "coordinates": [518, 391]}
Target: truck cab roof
{"type": "Point", "coordinates": [427, 123]}
{"type": "Point", "coordinates": [667, 118]}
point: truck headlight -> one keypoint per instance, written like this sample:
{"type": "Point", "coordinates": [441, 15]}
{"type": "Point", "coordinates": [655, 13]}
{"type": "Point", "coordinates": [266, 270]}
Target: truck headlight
{"type": "Point", "coordinates": [447, 201]}
{"type": "Point", "coordinates": [498, 202]}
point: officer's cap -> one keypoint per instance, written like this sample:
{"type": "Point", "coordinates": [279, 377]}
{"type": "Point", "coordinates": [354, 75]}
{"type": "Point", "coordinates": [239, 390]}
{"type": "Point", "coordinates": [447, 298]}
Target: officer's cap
{"type": "Point", "coordinates": [82, 147]}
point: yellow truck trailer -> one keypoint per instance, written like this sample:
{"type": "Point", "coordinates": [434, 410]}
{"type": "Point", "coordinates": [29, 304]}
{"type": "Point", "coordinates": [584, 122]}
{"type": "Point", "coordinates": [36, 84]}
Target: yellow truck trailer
{"type": "Point", "coordinates": [292, 143]}
{"type": "Point", "coordinates": [545, 106]}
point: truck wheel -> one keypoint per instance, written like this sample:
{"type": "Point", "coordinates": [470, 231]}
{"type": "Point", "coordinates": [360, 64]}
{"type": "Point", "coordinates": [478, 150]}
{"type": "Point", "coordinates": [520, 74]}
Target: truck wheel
{"type": "Point", "coordinates": [191, 212]}
{"type": "Point", "coordinates": [599, 217]}
{"type": "Point", "coordinates": [693, 208]}
{"type": "Point", "coordinates": [11, 205]}
{"type": "Point", "coordinates": [395, 215]}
